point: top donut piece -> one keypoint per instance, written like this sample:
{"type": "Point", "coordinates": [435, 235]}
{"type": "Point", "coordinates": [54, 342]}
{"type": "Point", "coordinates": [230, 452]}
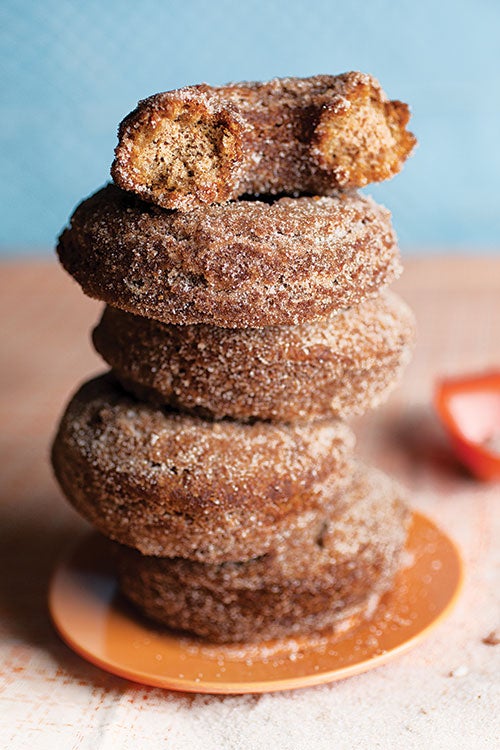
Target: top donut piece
{"type": "Point", "coordinates": [203, 144]}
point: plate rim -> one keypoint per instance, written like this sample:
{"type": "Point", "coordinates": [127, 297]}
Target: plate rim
{"type": "Point", "coordinates": [246, 687]}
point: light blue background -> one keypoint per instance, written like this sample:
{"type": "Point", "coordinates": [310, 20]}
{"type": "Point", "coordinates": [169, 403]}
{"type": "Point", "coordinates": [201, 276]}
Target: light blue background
{"type": "Point", "coordinates": [71, 69]}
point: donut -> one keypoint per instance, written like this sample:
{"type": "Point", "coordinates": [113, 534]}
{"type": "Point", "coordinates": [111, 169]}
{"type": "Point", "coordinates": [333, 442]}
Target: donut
{"type": "Point", "coordinates": [337, 366]}
{"type": "Point", "coordinates": [242, 264]}
{"type": "Point", "coordinates": [201, 144]}
{"type": "Point", "coordinates": [319, 578]}
{"type": "Point", "coordinates": [172, 485]}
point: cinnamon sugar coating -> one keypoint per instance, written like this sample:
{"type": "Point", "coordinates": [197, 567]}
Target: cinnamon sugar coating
{"type": "Point", "coordinates": [201, 144]}
{"type": "Point", "coordinates": [316, 579]}
{"type": "Point", "coordinates": [242, 264]}
{"type": "Point", "coordinates": [337, 366]}
{"type": "Point", "coordinates": [176, 485]}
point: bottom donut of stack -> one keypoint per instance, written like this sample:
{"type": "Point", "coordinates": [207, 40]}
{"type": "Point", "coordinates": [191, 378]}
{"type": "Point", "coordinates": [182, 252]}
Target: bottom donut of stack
{"type": "Point", "coordinates": [325, 576]}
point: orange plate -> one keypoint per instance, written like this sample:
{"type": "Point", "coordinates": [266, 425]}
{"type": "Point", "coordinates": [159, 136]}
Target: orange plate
{"type": "Point", "coordinates": [96, 623]}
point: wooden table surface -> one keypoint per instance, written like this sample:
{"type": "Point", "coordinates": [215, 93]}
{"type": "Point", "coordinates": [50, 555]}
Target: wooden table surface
{"type": "Point", "coordinates": [443, 694]}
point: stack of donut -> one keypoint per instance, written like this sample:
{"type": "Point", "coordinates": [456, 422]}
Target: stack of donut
{"type": "Point", "coordinates": [247, 317]}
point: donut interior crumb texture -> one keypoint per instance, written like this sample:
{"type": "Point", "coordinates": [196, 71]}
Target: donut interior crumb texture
{"type": "Point", "coordinates": [190, 148]}
{"type": "Point", "coordinates": [203, 144]}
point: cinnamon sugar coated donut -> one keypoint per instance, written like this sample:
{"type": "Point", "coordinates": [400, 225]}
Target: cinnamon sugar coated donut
{"type": "Point", "coordinates": [337, 366]}
{"type": "Point", "coordinates": [247, 315]}
{"type": "Point", "coordinates": [242, 264]}
{"type": "Point", "coordinates": [174, 485]}
{"type": "Point", "coordinates": [318, 578]}
{"type": "Point", "coordinates": [201, 144]}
